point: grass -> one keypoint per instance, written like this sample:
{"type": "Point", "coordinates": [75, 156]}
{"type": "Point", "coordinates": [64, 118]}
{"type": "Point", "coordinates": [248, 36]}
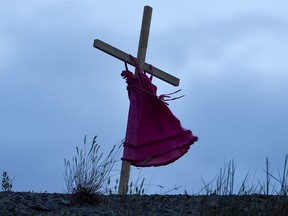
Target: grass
{"type": "Point", "coordinates": [88, 173]}
{"type": "Point", "coordinates": [224, 182]}
{"type": "Point", "coordinates": [268, 197]}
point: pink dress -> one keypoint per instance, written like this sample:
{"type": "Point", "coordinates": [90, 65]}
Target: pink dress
{"type": "Point", "coordinates": [154, 136]}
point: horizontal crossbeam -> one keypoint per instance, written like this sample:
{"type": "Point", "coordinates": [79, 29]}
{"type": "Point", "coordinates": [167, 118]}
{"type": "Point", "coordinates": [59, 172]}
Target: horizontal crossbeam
{"type": "Point", "coordinates": [126, 58]}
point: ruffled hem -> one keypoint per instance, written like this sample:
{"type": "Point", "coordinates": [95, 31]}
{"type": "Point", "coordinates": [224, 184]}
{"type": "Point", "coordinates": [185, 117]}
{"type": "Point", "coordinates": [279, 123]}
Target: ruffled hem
{"type": "Point", "coordinates": [159, 158]}
{"type": "Point", "coordinates": [160, 141]}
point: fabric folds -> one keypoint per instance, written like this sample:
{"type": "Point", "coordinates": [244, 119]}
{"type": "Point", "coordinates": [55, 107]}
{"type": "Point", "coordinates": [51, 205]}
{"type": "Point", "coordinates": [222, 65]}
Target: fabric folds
{"type": "Point", "coordinates": [154, 136]}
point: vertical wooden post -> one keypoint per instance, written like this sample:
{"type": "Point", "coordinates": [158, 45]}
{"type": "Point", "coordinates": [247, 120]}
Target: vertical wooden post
{"type": "Point", "coordinates": [144, 36]}
{"type": "Point", "coordinates": [141, 55]}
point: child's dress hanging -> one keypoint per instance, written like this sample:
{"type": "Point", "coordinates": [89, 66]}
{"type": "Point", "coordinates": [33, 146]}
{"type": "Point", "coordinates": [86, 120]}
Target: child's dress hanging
{"type": "Point", "coordinates": [154, 136]}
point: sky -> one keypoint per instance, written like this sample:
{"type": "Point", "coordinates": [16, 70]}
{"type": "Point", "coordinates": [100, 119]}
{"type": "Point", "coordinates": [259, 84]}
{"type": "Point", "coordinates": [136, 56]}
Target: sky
{"type": "Point", "coordinates": [55, 88]}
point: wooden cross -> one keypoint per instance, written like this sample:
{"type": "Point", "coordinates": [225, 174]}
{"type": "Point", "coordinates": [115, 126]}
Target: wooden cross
{"type": "Point", "coordinates": [142, 48]}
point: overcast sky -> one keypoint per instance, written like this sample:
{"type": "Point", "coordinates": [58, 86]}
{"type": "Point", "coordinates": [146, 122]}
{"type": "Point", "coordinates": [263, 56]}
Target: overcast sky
{"type": "Point", "coordinates": [231, 58]}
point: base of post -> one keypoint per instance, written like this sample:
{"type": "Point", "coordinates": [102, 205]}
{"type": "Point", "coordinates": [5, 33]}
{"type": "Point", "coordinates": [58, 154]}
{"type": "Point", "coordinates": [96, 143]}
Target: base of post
{"type": "Point", "coordinates": [124, 177]}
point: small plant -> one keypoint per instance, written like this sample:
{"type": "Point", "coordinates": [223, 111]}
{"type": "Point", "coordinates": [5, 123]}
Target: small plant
{"type": "Point", "coordinates": [282, 180]}
{"type": "Point", "coordinates": [137, 186]}
{"type": "Point", "coordinates": [225, 182]}
{"type": "Point", "coordinates": [132, 189]}
{"type": "Point", "coordinates": [88, 173]}
{"type": "Point", "coordinates": [6, 182]}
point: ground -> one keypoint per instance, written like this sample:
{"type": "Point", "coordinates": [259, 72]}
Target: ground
{"type": "Point", "coordinates": [26, 203]}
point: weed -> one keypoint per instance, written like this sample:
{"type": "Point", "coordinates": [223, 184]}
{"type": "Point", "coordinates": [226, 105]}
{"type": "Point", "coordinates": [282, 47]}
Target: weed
{"type": "Point", "coordinates": [282, 179]}
{"type": "Point", "coordinates": [225, 182]}
{"type": "Point", "coordinates": [88, 173]}
{"type": "Point", "coordinates": [6, 182]}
